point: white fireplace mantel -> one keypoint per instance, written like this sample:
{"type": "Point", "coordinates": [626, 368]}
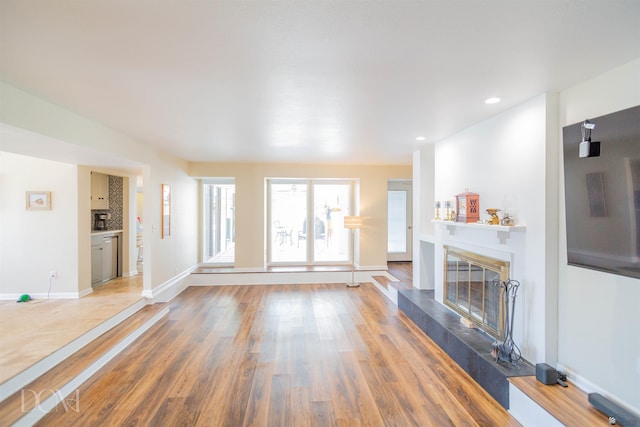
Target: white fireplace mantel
{"type": "Point", "coordinates": [503, 232]}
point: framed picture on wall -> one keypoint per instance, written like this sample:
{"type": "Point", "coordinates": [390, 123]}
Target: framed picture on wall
{"type": "Point", "coordinates": [38, 200]}
{"type": "Point", "coordinates": [166, 211]}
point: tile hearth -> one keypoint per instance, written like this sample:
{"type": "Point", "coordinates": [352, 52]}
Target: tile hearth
{"type": "Point", "coordinates": [469, 348]}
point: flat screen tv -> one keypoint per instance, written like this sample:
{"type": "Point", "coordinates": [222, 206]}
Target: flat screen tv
{"type": "Point", "coordinates": [602, 193]}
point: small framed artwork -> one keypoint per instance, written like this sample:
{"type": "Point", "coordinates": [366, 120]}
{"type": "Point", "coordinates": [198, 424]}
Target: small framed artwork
{"type": "Point", "coordinates": [166, 211]}
{"type": "Point", "coordinates": [38, 200]}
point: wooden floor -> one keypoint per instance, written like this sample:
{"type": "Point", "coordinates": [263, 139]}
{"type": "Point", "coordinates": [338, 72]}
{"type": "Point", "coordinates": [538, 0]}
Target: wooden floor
{"type": "Point", "coordinates": [31, 331]}
{"type": "Point", "coordinates": [568, 405]}
{"type": "Point", "coordinates": [283, 355]}
{"type": "Point", "coordinates": [403, 271]}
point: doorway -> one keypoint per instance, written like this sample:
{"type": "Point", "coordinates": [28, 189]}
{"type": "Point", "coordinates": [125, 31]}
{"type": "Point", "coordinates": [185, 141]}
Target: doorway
{"type": "Point", "coordinates": [399, 221]}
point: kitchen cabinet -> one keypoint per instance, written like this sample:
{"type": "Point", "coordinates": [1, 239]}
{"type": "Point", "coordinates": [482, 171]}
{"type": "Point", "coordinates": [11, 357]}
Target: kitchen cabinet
{"type": "Point", "coordinates": [109, 257]}
{"type": "Point", "coordinates": [99, 191]}
{"type": "Point", "coordinates": [104, 258]}
{"type": "Point", "coordinates": [96, 262]}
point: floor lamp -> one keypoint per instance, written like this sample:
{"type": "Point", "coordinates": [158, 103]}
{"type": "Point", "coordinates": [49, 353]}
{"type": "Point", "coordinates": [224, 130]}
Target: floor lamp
{"type": "Point", "coordinates": [353, 223]}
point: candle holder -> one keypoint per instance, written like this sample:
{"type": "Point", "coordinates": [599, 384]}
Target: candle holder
{"type": "Point", "coordinates": [438, 211]}
{"type": "Point", "coordinates": [507, 219]}
{"type": "Point", "coordinates": [447, 206]}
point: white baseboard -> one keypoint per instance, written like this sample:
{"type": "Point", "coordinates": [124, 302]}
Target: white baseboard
{"type": "Point", "coordinates": [131, 273]}
{"type": "Point", "coordinates": [280, 278]}
{"type": "Point", "coordinates": [589, 387]}
{"type": "Point", "coordinates": [169, 289]}
{"type": "Point", "coordinates": [377, 268]}
{"type": "Point", "coordinates": [46, 295]}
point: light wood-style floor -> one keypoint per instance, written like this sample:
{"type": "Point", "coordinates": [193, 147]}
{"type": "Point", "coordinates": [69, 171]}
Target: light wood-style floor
{"type": "Point", "coordinates": [283, 355]}
{"type": "Point", "coordinates": [32, 331]}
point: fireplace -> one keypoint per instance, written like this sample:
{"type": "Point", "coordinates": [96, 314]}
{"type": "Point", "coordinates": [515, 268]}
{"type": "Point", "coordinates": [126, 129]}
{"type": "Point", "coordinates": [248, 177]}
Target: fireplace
{"type": "Point", "coordinates": [474, 256]}
{"type": "Point", "coordinates": [472, 288]}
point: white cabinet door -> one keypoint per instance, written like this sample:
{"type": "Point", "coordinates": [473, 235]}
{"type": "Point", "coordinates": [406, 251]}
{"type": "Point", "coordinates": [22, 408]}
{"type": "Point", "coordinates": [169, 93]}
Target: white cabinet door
{"type": "Point", "coordinates": [107, 258]}
{"type": "Point", "coordinates": [99, 191]}
{"type": "Point", "coordinates": [96, 263]}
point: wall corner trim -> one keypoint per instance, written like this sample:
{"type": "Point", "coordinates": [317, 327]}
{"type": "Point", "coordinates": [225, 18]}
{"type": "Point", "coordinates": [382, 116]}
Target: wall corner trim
{"type": "Point", "coordinates": [169, 289]}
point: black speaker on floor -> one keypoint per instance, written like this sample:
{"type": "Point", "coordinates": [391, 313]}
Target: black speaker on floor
{"type": "Point", "coordinates": [546, 374]}
{"type": "Point", "coordinates": [616, 413]}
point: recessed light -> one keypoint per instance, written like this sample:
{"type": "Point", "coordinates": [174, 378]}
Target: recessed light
{"type": "Point", "coordinates": [421, 138]}
{"type": "Point", "coordinates": [492, 100]}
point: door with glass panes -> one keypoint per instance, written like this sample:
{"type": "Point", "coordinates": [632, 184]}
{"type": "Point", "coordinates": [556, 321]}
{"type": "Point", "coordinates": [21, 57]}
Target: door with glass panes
{"type": "Point", "coordinates": [400, 221]}
{"type": "Point", "coordinates": [306, 221]}
{"type": "Point", "coordinates": [219, 232]}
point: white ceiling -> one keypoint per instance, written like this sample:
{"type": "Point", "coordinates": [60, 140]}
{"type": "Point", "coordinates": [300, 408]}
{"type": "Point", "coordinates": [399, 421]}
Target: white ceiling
{"type": "Point", "coordinates": [305, 81]}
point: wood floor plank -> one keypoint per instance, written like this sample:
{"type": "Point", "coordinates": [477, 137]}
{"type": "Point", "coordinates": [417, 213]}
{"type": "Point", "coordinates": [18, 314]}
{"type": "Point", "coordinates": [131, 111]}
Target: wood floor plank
{"type": "Point", "coordinates": [569, 405]}
{"type": "Point", "coordinates": [257, 406]}
{"type": "Point", "coordinates": [283, 355]}
{"type": "Point", "coordinates": [13, 407]}
{"type": "Point", "coordinates": [403, 271]}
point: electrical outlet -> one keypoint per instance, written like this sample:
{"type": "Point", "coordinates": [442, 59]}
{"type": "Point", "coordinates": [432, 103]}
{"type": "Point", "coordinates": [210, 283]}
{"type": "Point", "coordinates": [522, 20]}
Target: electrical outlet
{"type": "Point", "coordinates": [53, 274]}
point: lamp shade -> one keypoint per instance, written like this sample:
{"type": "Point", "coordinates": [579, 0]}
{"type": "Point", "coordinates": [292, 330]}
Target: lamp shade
{"type": "Point", "coordinates": [352, 222]}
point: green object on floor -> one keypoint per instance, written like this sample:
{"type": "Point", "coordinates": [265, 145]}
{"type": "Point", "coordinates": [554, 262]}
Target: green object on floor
{"type": "Point", "coordinates": [24, 298]}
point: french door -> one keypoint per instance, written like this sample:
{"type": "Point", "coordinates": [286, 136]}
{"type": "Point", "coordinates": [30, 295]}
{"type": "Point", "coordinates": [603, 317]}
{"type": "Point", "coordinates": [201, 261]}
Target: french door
{"type": "Point", "coordinates": [306, 221]}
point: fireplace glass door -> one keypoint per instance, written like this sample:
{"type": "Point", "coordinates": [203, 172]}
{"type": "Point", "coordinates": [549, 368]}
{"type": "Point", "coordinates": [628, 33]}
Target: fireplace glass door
{"type": "Point", "coordinates": [472, 288]}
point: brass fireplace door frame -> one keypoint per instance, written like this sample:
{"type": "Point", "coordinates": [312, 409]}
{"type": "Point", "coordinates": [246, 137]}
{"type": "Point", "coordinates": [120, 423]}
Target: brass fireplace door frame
{"type": "Point", "coordinates": [486, 263]}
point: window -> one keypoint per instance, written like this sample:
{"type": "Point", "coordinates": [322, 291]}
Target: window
{"type": "Point", "coordinates": [219, 221]}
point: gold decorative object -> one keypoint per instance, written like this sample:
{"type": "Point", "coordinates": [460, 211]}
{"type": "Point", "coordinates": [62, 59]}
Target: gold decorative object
{"type": "Point", "coordinates": [438, 211]}
{"type": "Point", "coordinates": [494, 220]}
{"type": "Point", "coordinates": [447, 206]}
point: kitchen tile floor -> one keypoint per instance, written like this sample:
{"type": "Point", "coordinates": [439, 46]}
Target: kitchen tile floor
{"type": "Point", "coordinates": [31, 331]}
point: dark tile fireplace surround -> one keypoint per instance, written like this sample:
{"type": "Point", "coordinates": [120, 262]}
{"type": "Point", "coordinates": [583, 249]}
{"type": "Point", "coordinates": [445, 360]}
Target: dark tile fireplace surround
{"type": "Point", "coordinates": [469, 348]}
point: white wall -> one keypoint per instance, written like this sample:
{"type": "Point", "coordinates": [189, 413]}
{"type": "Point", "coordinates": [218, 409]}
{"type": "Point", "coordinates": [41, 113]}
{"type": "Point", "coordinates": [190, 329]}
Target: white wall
{"type": "Point", "coordinates": [179, 252]}
{"type": "Point", "coordinates": [599, 338]}
{"type": "Point", "coordinates": [423, 236]}
{"type": "Point", "coordinates": [585, 322]}
{"type": "Point", "coordinates": [33, 243]}
{"type": "Point", "coordinates": [77, 138]}
{"type": "Point", "coordinates": [504, 160]}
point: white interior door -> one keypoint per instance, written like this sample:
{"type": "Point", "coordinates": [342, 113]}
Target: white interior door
{"type": "Point", "coordinates": [400, 221]}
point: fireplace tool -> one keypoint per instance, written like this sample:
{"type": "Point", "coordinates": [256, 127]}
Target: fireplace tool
{"type": "Point", "coordinates": [507, 350]}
